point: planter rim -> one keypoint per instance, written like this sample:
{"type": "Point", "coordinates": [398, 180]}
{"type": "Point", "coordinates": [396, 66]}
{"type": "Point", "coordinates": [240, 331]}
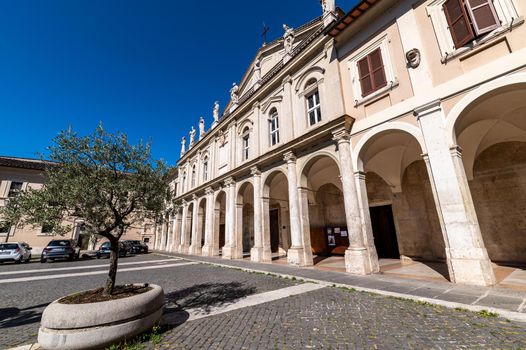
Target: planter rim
{"type": "Point", "coordinates": [87, 315]}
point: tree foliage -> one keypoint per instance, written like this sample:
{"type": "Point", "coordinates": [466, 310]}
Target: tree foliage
{"type": "Point", "coordinates": [102, 179]}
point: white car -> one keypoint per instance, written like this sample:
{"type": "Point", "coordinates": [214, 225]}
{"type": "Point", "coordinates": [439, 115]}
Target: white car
{"type": "Point", "coordinates": [15, 251]}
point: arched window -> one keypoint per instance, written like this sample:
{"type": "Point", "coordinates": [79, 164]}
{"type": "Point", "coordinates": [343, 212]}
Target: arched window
{"type": "Point", "coordinates": [205, 169]}
{"type": "Point", "coordinates": [274, 127]}
{"type": "Point", "coordinates": [183, 183]}
{"type": "Point", "coordinates": [194, 175]}
{"type": "Point", "coordinates": [246, 143]}
{"type": "Point", "coordinates": [313, 102]}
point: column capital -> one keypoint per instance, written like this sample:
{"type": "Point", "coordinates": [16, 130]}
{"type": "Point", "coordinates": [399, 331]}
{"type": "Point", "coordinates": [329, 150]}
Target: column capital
{"type": "Point", "coordinates": [286, 80]}
{"type": "Point", "coordinates": [428, 108]}
{"type": "Point", "coordinates": [209, 191]}
{"type": "Point", "coordinates": [456, 151]}
{"type": "Point", "coordinates": [230, 182]}
{"type": "Point", "coordinates": [254, 171]}
{"type": "Point", "coordinates": [341, 135]}
{"type": "Point", "coordinates": [289, 157]}
{"type": "Point", "coordinates": [195, 198]}
{"type": "Point", "coordinates": [256, 105]}
{"type": "Point", "coordinates": [360, 175]}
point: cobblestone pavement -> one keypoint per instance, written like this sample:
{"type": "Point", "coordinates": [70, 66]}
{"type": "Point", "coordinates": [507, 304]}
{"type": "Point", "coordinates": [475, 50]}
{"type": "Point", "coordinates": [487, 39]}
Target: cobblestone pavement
{"type": "Point", "coordinates": [333, 318]}
{"type": "Point", "coordinates": [22, 303]}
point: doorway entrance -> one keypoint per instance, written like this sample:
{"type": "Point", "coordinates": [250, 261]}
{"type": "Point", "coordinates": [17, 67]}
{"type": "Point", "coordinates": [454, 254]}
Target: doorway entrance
{"type": "Point", "coordinates": [274, 230]}
{"type": "Point", "coordinates": [384, 232]}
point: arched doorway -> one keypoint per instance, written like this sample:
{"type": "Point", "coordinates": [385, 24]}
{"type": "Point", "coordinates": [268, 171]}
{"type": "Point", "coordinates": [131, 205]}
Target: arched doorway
{"type": "Point", "coordinates": [186, 234]}
{"type": "Point", "coordinates": [218, 236]}
{"type": "Point", "coordinates": [401, 217]}
{"type": "Point", "coordinates": [245, 218]}
{"type": "Point", "coordinates": [491, 132]}
{"type": "Point", "coordinates": [276, 217]}
{"type": "Point", "coordinates": [322, 193]}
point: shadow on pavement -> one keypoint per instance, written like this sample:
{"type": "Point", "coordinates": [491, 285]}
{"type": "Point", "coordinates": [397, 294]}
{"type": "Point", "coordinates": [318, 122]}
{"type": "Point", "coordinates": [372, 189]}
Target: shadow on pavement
{"type": "Point", "coordinates": [13, 317]}
{"type": "Point", "coordinates": [202, 298]}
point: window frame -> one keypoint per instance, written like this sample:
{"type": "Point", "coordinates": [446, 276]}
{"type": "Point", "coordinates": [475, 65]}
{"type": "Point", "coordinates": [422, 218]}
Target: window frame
{"type": "Point", "coordinates": [5, 225]}
{"type": "Point", "coordinates": [506, 11]}
{"type": "Point", "coordinates": [194, 176]}
{"type": "Point", "coordinates": [14, 192]}
{"type": "Point", "coordinates": [245, 144]}
{"type": "Point", "coordinates": [205, 169]}
{"type": "Point", "coordinates": [381, 42]}
{"type": "Point", "coordinates": [274, 127]}
{"type": "Point", "coordinates": [316, 108]}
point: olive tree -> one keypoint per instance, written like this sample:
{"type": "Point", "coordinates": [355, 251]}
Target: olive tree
{"type": "Point", "coordinates": [102, 179]}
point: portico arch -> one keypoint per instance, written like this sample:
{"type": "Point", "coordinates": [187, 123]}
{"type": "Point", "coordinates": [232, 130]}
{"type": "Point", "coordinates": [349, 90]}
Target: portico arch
{"type": "Point", "coordinates": [218, 234]}
{"type": "Point", "coordinates": [400, 216]}
{"type": "Point", "coordinates": [245, 217]}
{"type": "Point", "coordinates": [276, 217]}
{"type": "Point", "coordinates": [489, 128]}
{"type": "Point", "coordinates": [199, 231]}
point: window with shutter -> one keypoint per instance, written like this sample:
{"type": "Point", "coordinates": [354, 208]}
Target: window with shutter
{"type": "Point", "coordinates": [371, 72]}
{"type": "Point", "coordinates": [458, 22]}
{"type": "Point", "coordinates": [483, 15]}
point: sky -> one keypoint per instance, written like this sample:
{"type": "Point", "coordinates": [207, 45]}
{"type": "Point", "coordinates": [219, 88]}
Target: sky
{"type": "Point", "coordinates": [148, 68]}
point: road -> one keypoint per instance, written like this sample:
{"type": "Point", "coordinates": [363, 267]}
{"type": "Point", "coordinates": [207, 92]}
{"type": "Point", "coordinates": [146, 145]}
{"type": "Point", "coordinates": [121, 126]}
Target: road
{"type": "Point", "coordinates": [210, 307]}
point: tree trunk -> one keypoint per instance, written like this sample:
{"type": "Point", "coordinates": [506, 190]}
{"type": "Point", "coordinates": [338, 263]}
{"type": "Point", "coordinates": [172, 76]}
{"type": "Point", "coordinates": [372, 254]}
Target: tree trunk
{"type": "Point", "coordinates": [112, 274]}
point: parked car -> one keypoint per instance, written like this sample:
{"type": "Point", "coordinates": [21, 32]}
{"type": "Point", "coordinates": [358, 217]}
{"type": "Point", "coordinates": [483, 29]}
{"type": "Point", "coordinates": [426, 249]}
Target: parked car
{"type": "Point", "coordinates": [60, 249]}
{"type": "Point", "coordinates": [138, 247]}
{"type": "Point", "coordinates": [15, 251]}
{"type": "Point", "coordinates": [104, 250]}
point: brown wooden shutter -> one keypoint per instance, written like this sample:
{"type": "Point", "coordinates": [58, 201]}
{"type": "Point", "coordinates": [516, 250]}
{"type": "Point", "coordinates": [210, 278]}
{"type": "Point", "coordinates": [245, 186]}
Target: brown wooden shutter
{"type": "Point", "coordinates": [458, 22]}
{"type": "Point", "coordinates": [377, 69]}
{"type": "Point", "coordinates": [365, 76]}
{"type": "Point", "coordinates": [483, 15]}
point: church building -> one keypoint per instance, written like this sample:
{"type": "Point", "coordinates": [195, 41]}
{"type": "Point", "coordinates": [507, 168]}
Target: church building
{"type": "Point", "coordinates": [396, 130]}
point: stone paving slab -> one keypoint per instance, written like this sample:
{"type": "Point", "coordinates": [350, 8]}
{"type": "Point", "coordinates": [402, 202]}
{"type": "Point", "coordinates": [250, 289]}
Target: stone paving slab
{"type": "Point", "coordinates": [503, 301]}
{"type": "Point", "coordinates": [334, 318]}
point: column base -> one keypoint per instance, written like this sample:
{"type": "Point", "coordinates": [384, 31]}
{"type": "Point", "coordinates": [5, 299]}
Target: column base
{"type": "Point", "coordinates": [357, 261]}
{"type": "Point", "coordinates": [228, 253]}
{"type": "Point", "coordinates": [195, 250]}
{"type": "Point", "coordinates": [260, 254]}
{"type": "Point", "coordinates": [207, 251]}
{"type": "Point", "coordinates": [295, 256]}
{"type": "Point", "coordinates": [472, 267]}
{"type": "Point", "coordinates": [184, 249]}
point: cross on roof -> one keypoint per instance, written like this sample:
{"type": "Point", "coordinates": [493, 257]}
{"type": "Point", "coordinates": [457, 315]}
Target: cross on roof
{"type": "Point", "coordinates": [264, 34]}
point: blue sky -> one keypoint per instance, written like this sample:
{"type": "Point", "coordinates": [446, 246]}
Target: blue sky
{"type": "Point", "coordinates": [148, 68]}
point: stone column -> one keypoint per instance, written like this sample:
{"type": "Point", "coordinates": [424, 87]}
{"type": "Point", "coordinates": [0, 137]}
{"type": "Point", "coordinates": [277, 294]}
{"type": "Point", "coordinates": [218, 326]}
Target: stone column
{"type": "Point", "coordinates": [363, 202]}
{"type": "Point", "coordinates": [162, 245]}
{"type": "Point", "coordinates": [195, 246]}
{"type": "Point", "coordinates": [258, 253]}
{"type": "Point", "coordinates": [176, 230]}
{"type": "Point", "coordinates": [357, 258]}
{"type": "Point", "coordinates": [230, 217]}
{"type": "Point", "coordinates": [303, 194]}
{"type": "Point", "coordinates": [183, 246]}
{"type": "Point", "coordinates": [156, 243]}
{"type": "Point", "coordinates": [208, 248]}
{"type": "Point", "coordinates": [468, 260]}
{"type": "Point", "coordinates": [295, 255]}
{"type": "Point", "coordinates": [265, 226]}
{"type": "Point", "coordinates": [169, 232]}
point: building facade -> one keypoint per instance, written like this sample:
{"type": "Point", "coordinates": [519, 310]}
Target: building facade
{"type": "Point", "coordinates": [395, 130]}
{"type": "Point", "coordinates": [19, 174]}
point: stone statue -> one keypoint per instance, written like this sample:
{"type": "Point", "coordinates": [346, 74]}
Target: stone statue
{"type": "Point", "coordinates": [234, 94]}
{"type": "Point", "coordinates": [183, 146]}
{"type": "Point", "coordinates": [257, 70]}
{"type": "Point", "coordinates": [216, 111]}
{"type": "Point", "coordinates": [328, 6]}
{"type": "Point", "coordinates": [192, 136]}
{"type": "Point", "coordinates": [288, 38]}
{"type": "Point", "coordinates": [201, 128]}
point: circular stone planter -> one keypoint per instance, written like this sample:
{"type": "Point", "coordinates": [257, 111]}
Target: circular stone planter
{"type": "Point", "coordinates": [97, 325]}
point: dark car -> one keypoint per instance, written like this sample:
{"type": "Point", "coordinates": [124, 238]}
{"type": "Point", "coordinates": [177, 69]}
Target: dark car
{"type": "Point", "coordinates": [60, 249]}
{"type": "Point", "coordinates": [104, 250]}
{"type": "Point", "coordinates": [138, 247]}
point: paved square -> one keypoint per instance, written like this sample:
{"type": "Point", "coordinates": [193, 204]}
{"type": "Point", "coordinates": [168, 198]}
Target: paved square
{"type": "Point", "coordinates": [210, 307]}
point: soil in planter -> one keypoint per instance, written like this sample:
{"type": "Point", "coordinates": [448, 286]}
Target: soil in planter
{"type": "Point", "coordinates": [97, 295]}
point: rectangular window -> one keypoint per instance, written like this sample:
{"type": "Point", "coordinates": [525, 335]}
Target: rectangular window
{"type": "Point", "coordinates": [47, 229]}
{"type": "Point", "coordinates": [246, 146]}
{"type": "Point", "coordinates": [205, 171]}
{"type": "Point", "coordinates": [371, 72]}
{"type": "Point", "coordinates": [313, 108]}
{"type": "Point", "coordinates": [15, 188]}
{"type": "Point", "coordinates": [468, 19]}
{"type": "Point", "coordinates": [274, 129]}
{"type": "Point", "coordinates": [5, 227]}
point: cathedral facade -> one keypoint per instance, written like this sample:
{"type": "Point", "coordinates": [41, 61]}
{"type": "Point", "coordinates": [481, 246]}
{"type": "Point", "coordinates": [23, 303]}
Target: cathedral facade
{"type": "Point", "coordinates": [396, 130]}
